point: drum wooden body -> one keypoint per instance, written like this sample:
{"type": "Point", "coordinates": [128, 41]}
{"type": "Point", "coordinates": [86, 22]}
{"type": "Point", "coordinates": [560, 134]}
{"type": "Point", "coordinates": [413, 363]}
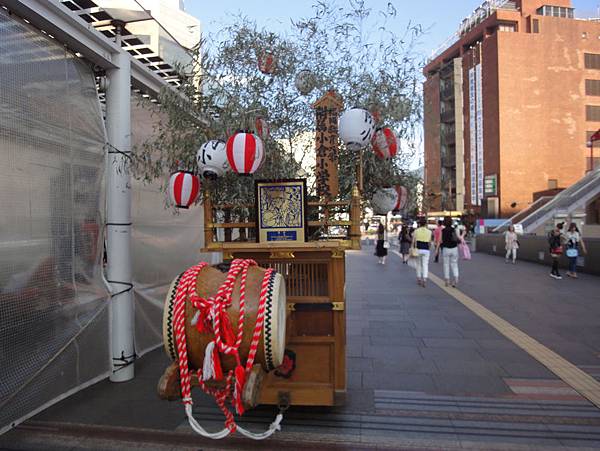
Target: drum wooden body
{"type": "Point", "coordinates": [272, 343]}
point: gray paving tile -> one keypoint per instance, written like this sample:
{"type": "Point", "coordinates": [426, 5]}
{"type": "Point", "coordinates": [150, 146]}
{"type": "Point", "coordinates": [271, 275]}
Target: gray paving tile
{"type": "Point", "coordinates": [413, 366]}
{"type": "Point", "coordinates": [450, 343]}
{"type": "Point", "coordinates": [450, 332]}
{"type": "Point", "coordinates": [391, 353]}
{"type": "Point", "coordinates": [464, 384]}
{"type": "Point", "coordinates": [401, 381]}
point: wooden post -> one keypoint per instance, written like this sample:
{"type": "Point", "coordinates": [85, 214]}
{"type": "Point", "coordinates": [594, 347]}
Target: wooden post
{"type": "Point", "coordinates": [209, 231]}
{"type": "Point", "coordinates": [355, 214]}
{"type": "Point", "coordinates": [327, 110]}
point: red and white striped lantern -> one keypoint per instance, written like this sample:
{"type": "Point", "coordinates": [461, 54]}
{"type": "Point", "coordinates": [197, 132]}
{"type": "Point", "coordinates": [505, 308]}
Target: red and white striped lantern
{"type": "Point", "coordinates": [266, 63]}
{"type": "Point", "coordinates": [183, 188]}
{"type": "Point", "coordinates": [245, 153]}
{"type": "Point", "coordinates": [385, 143]}
{"type": "Point", "coordinates": [262, 127]}
{"type": "Point", "coordinates": [402, 198]}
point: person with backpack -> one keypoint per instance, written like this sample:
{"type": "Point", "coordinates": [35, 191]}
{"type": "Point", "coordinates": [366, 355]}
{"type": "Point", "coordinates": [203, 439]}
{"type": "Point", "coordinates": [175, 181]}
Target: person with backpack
{"type": "Point", "coordinates": [555, 241]}
{"type": "Point", "coordinates": [405, 239]}
{"type": "Point", "coordinates": [574, 243]}
{"type": "Point", "coordinates": [449, 246]}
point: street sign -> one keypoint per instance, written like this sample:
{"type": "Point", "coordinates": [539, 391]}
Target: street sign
{"type": "Point", "coordinates": [490, 185]}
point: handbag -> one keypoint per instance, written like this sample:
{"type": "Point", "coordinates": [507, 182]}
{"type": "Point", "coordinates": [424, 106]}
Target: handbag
{"type": "Point", "coordinates": [386, 244]}
{"type": "Point", "coordinates": [414, 252]}
{"type": "Point", "coordinates": [464, 251]}
{"type": "Point", "coordinates": [572, 252]}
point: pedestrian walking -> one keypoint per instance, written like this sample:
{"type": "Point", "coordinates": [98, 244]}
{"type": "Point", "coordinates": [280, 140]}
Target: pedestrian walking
{"type": "Point", "coordinates": [380, 248]}
{"type": "Point", "coordinates": [405, 241]}
{"type": "Point", "coordinates": [573, 242]}
{"type": "Point", "coordinates": [511, 244]}
{"type": "Point", "coordinates": [437, 239]}
{"type": "Point", "coordinates": [555, 241]}
{"type": "Point", "coordinates": [420, 248]}
{"type": "Point", "coordinates": [448, 245]}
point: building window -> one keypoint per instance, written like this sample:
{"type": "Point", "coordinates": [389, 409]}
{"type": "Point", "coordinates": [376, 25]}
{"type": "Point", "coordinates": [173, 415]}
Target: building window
{"type": "Point", "coordinates": [592, 113]}
{"type": "Point", "coordinates": [556, 11]}
{"type": "Point", "coordinates": [592, 87]}
{"type": "Point", "coordinates": [552, 183]}
{"type": "Point", "coordinates": [584, 35]}
{"type": "Point", "coordinates": [507, 26]}
{"type": "Point", "coordinates": [592, 61]}
{"type": "Point", "coordinates": [535, 25]}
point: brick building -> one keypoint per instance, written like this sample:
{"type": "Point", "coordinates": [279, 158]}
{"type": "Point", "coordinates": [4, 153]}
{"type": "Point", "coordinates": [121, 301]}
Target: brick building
{"type": "Point", "coordinates": [510, 105]}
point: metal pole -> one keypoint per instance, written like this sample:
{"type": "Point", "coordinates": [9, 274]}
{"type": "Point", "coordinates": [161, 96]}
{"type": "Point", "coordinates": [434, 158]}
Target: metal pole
{"type": "Point", "coordinates": [119, 269]}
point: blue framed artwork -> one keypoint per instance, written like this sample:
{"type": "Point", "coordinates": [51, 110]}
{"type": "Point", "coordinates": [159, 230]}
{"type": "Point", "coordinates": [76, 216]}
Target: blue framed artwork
{"type": "Point", "coordinates": [281, 210]}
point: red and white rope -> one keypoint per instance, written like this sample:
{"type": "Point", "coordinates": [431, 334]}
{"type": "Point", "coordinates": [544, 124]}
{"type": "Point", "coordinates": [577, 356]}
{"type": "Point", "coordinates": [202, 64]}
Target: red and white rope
{"type": "Point", "coordinates": [214, 309]}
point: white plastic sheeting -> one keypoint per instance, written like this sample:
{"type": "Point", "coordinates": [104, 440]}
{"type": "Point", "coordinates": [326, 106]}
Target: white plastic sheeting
{"type": "Point", "coordinates": [54, 328]}
{"type": "Point", "coordinates": [53, 316]}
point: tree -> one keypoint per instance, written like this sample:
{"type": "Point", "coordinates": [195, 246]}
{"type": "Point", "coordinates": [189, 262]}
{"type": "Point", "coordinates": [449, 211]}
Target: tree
{"type": "Point", "coordinates": [346, 47]}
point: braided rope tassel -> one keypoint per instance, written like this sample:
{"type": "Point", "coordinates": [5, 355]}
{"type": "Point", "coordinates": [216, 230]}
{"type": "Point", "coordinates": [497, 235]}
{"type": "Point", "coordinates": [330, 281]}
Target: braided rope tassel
{"type": "Point", "coordinates": [217, 306]}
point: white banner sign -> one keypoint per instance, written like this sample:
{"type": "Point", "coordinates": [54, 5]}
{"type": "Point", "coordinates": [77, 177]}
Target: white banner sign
{"type": "Point", "coordinates": [472, 137]}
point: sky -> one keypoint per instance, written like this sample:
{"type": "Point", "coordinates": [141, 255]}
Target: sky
{"type": "Point", "coordinates": [439, 17]}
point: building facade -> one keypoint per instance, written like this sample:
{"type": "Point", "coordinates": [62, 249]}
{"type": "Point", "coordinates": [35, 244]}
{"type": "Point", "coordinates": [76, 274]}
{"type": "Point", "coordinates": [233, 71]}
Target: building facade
{"type": "Point", "coordinates": [510, 106]}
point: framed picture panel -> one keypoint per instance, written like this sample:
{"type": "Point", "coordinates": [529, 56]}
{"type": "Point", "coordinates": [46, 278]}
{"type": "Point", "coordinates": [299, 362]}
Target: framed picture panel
{"type": "Point", "coordinates": [281, 211]}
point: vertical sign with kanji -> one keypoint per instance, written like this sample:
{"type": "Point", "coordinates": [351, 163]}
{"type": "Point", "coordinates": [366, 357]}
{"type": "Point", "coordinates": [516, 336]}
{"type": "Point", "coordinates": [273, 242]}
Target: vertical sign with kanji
{"type": "Point", "coordinates": [327, 110]}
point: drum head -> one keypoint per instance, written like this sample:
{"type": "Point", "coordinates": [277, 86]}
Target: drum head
{"type": "Point", "coordinates": [274, 326]}
{"type": "Point", "coordinates": [169, 318]}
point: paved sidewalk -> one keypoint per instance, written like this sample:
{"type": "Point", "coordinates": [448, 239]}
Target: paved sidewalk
{"type": "Point", "coordinates": [424, 372]}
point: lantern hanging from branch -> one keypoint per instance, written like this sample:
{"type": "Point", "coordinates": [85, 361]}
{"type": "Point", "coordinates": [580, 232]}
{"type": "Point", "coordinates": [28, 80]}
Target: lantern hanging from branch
{"type": "Point", "coordinates": [384, 200]}
{"type": "Point", "coordinates": [304, 82]}
{"type": "Point", "coordinates": [266, 62]}
{"type": "Point", "coordinates": [262, 127]}
{"type": "Point", "coordinates": [402, 198]}
{"type": "Point", "coordinates": [245, 153]}
{"type": "Point", "coordinates": [385, 143]}
{"type": "Point", "coordinates": [184, 187]}
{"type": "Point", "coordinates": [356, 128]}
{"type": "Point", "coordinates": [212, 159]}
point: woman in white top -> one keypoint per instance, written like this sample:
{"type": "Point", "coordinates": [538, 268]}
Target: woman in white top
{"type": "Point", "coordinates": [511, 244]}
{"type": "Point", "coordinates": [573, 243]}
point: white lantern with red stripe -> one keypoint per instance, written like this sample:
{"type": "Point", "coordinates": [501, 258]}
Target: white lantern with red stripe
{"type": "Point", "coordinates": [384, 200]}
{"type": "Point", "coordinates": [262, 127]}
{"type": "Point", "coordinates": [245, 153]}
{"type": "Point", "coordinates": [266, 62]}
{"type": "Point", "coordinates": [356, 128]}
{"type": "Point", "coordinates": [385, 143]}
{"type": "Point", "coordinates": [402, 198]}
{"type": "Point", "coordinates": [184, 188]}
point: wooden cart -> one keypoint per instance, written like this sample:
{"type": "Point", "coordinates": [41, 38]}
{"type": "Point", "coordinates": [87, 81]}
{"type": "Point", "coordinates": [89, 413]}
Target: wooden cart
{"type": "Point", "coordinates": [316, 322]}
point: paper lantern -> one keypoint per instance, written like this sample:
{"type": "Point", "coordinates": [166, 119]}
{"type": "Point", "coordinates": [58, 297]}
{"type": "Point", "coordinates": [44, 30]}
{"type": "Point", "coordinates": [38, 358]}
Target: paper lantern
{"type": "Point", "coordinates": [245, 153]}
{"type": "Point", "coordinates": [402, 198]}
{"type": "Point", "coordinates": [184, 187]}
{"type": "Point", "coordinates": [212, 159]}
{"type": "Point", "coordinates": [305, 82]}
{"type": "Point", "coordinates": [356, 128]}
{"type": "Point", "coordinates": [385, 143]}
{"type": "Point", "coordinates": [266, 63]}
{"type": "Point", "coordinates": [262, 127]}
{"type": "Point", "coordinates": [384, 200]}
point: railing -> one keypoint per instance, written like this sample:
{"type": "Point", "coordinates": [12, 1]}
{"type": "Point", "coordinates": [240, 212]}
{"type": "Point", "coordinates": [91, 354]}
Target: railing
{"type": "Point", "coordinates": [340, 220]}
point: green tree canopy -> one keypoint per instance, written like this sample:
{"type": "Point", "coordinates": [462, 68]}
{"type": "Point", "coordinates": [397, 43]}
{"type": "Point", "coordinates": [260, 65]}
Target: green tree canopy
{"type": "Point", "coordinates": [345, 46]}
